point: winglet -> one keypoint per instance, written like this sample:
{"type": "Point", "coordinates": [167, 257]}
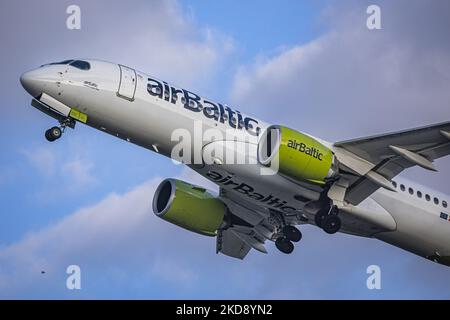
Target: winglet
{"type": "Point", "coordinates": [414, 157]}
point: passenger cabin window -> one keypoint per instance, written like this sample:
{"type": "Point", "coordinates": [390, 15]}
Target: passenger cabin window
{"type": "Point", "coordinates": [419, 195]}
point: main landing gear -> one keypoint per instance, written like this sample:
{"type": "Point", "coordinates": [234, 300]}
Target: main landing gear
{"type": "Point", "coordinates": [289, 234]}
{"type": "Point", "coordinates": [328, 220]}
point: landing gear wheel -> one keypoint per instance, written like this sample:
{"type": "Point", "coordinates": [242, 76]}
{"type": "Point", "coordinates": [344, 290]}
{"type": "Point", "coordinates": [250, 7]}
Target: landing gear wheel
{"type": "Point", "coordinates": [331, 224]}
{"type": "Point", "coordinates": [47, 136]}
{"type": "Point", "coordinates": [320, 217]}
{"type": "Point", "coordinates": [284, 245]}
{"type": "Point", "coordinates": [53, 134]}
{"type": "Point", "coordinates": [292, 233]}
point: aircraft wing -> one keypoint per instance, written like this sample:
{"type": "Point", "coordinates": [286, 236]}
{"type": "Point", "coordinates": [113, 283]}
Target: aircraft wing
{"type": "Point", "coordinates": [370, 163]}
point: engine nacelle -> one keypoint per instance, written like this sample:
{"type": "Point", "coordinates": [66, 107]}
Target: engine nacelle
{"type": "Point", "coordinates": [298, 155]}
{"type": "Point", "coordinates": [188, 206]}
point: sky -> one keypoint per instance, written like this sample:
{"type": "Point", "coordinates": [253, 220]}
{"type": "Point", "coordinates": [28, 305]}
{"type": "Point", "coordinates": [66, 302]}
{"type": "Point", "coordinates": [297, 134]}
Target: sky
{"type": "Point", "coordinates": [312, 65]}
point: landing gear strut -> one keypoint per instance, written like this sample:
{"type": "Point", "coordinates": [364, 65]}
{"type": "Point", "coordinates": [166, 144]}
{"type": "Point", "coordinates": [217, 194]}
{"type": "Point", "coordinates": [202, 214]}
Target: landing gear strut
{"type": "Point", "coordinates": [328, 220]}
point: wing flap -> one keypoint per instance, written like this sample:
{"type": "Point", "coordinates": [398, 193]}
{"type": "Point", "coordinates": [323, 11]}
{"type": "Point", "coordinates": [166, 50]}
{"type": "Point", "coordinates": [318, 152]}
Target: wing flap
{"type": "Point", "coordinates": [228, 243]}
{"type": "Point", "coordinates": [385, 156]}
{"type": "Point", "coordinates": [249, 240]}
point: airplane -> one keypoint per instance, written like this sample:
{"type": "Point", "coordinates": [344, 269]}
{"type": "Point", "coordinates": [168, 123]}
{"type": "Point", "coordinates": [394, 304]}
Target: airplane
{"type": "Point", "coordinates": [287, 179]}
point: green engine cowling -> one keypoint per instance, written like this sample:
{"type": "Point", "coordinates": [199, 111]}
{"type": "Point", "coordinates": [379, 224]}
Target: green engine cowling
{"type": "Point", "coordinates": [296, 155]}
{"type": "Point", "coordinates": [188, 206]}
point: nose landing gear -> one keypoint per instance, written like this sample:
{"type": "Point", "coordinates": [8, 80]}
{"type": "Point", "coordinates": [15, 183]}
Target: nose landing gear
{"type": "Point", "coordinates": [56, 132]}
{"type": "Point", "coordinates": [53, 134]}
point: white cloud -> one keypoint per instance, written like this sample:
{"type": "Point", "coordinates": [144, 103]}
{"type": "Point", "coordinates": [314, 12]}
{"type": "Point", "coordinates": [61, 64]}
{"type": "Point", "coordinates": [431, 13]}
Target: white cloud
{"type": "Point", "coordinates": [118, 233]}
{"type": "Point", "coordinates": [120, 245]}
{"type": "Point", "coordinates": [155, 37]}
{"type": "Point", "coordinates": [158, 37]}
{"type": "Point", "coordinates": [100, 233]}
{"type": "Point", "coordinates": [124, 250]}
{"type": "Point", "coordinates": [71, 166]}
{"type": "Point", "coordinates": [172, 45]}
{"type": "Point", "coordinates": [353, 82]}
{"type": "Point", "coordinates": [43, 159]}
{"type": "Point", "coordinates": [174, 273]}
{"type": "Point", "coordinates": [79, 171]}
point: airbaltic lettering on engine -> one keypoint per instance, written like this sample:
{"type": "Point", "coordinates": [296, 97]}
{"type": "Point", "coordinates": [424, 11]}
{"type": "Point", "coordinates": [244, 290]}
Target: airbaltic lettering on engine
{"type": "Point", "coordinates": [249, 191]}
{"type": "Point", "coordinates": [195, 103]}
{"type": "Point", "coordinates": [302, 147]}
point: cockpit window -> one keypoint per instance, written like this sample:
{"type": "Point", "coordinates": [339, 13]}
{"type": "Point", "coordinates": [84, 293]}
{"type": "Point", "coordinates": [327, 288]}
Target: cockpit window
{"type": "Point", "coordinates": [56, 63]}
{"type": "Point", "coordinates": [83, 65]}
{"type": "Point", "coordinates": [79, 64]}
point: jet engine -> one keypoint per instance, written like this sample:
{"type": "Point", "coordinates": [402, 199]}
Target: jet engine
{"type": "Point", "coordinates": [188, 206]}
{"type": "Point", "coordinates": [296, 155]}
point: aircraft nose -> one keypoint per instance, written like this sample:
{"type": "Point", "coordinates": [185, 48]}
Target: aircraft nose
{"type": "Point", "coordinates": [32, 82]}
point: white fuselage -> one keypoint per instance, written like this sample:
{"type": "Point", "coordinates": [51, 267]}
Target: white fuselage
{"type": "Point", "coordinates": [147, 112]}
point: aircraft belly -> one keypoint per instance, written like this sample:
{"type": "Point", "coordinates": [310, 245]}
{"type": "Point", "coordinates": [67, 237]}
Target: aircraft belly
{"type": "Point", "coordinates": [366, 219]}
{"type": "Point", "coordinates": [419, 229]}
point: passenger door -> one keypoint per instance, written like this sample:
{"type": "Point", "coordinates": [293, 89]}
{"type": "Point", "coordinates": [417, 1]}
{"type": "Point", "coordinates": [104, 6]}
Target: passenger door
{"type": "Point", "coordinates": [128, 82]}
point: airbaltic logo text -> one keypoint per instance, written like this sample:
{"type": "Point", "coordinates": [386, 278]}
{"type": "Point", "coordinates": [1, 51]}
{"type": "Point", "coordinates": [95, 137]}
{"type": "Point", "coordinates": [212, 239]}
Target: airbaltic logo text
{"type": "Point", "coordinates": [249, 191]}
{"type": "Point", "coordinates": [302, 147]}
{"type": "Point", "coordinates": [210, 110]}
